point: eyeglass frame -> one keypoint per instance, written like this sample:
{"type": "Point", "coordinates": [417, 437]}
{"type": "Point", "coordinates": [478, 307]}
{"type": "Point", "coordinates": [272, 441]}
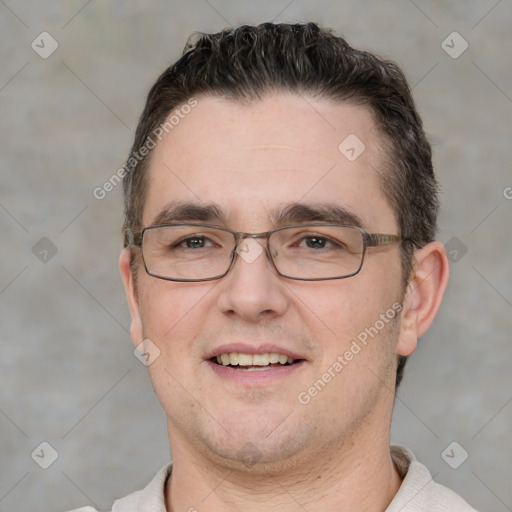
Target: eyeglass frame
{"type": "Point", "coordinates": [369, 240]}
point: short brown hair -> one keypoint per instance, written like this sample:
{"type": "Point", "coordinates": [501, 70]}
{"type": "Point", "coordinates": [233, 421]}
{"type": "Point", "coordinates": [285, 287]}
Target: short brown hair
{"type": "Point", "coordinates": [247, 62]}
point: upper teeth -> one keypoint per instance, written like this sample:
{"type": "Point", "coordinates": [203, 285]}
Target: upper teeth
{"type": "Point", "coordinates": [236, 358]}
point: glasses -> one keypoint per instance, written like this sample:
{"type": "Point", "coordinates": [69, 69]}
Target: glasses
{"type": "Point", "coordinates": [203, 252]}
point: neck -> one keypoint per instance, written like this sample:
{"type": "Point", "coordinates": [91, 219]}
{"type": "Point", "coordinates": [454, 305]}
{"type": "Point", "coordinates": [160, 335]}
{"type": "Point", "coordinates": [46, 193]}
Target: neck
{"type": "Point", "coordinates": [346, 476]}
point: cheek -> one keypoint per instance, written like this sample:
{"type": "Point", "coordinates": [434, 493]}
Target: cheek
{"type": "Point", "coordinates": [337, 306]}
{"type": "Point", "coordinates": [339, 311]}
{"type": "Point", "coordinates": [172, 313]}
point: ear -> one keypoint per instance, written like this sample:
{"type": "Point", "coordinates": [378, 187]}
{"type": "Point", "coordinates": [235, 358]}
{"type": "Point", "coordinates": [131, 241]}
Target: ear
{"type": "Point", "coordinates": [130, 287]}
{"type": "Point", "coordinates": [425, 291]}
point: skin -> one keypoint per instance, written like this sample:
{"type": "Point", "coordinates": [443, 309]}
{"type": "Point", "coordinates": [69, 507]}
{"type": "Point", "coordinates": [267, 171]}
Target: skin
{"type": "Point", "coordinates": [329, 454]}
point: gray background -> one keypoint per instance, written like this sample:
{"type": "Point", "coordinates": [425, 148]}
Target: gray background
{"type": "Point", "coordinates": [68, 373]}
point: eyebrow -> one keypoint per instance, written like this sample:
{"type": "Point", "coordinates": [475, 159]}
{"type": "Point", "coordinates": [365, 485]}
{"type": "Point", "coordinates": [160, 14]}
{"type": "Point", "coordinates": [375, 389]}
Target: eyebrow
{"type": "Point", "coordinates": [188, 212]}
{"type": "Point", "coordinates": [293, 213]}
{"type": "Point", "coordinates": [296, 213]}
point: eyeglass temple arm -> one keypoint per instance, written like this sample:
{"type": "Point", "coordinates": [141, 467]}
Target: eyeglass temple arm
{"type": "Point", "coordinates": [374, 239]}
{"type": "Point", "coordinates": [132, 239]}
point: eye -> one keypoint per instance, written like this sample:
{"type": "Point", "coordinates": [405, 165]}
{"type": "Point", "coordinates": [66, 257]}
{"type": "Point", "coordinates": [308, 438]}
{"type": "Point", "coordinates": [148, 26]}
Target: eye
{"type": "Point", "coordinates": [314, 242]}
{"type": "Point", "coordinates": [318, 242]}
{"type": "Point", "coordinates": [194, 242]}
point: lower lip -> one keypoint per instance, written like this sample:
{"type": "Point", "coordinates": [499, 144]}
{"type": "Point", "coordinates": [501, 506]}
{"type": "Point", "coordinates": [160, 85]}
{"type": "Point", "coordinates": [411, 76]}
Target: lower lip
{"type": "Point", "coordinates": [257, 377]}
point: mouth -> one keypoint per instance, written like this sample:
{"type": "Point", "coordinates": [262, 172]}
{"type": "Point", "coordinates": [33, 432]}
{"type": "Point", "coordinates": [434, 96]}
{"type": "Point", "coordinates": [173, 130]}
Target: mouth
{"type": "Point", "coordinates": [254, 362]}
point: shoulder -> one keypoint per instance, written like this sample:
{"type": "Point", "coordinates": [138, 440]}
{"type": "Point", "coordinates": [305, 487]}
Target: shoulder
{"type": "Point", "coordinates": [129, 503]}
{"type": "Point", "coordinates": [84, 509]}
{"type": "Point", "coordinates": [149, 499]}
{"type": "Point", "coordinates": [419, 492]}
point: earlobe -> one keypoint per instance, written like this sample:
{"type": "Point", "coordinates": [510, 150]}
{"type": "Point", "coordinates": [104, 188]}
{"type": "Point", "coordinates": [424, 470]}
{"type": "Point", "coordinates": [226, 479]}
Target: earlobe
{"type": "Point", "coordinates": [424, 294]}
{"type": "Point", "coordinates": [131, 296]}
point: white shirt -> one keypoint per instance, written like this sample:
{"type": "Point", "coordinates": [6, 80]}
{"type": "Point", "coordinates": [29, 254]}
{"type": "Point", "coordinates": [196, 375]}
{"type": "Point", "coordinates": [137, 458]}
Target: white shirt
{"type": "Point", "coordinates": [418, 492]}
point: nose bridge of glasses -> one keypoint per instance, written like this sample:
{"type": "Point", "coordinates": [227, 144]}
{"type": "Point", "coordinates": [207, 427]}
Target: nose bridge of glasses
{"type": "Point", "coordinates": [241, 236]}
{"type": "Point", "coordinates": [248, 248]}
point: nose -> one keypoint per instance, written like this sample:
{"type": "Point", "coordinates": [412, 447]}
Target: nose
{"type": "Point", "coordinates": [252, 289]}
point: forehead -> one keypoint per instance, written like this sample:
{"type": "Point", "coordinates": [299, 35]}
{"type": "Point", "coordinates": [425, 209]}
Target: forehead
{"type": "Point", "coordinates": [251, 159]}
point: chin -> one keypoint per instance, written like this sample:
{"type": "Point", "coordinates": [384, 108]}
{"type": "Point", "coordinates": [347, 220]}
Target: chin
{"type": "Point", "coordinates": [261, 457]}
{"type": "Point", "coordinates": [257, 442]}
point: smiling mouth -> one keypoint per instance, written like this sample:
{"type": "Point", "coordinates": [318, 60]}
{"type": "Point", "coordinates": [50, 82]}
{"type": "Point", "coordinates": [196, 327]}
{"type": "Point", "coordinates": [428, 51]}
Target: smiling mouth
{"type": "Point", "coordinates": [254, 362]}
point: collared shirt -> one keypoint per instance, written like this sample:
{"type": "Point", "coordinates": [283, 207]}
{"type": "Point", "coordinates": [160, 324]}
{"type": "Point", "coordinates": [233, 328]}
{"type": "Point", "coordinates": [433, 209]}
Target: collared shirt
{"type": "Point", "coordinates": [418, 492]}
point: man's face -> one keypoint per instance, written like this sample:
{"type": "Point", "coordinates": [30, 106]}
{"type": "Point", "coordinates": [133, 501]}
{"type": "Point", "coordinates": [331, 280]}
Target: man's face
{"type": "Point", "coordinates": [253, 162]}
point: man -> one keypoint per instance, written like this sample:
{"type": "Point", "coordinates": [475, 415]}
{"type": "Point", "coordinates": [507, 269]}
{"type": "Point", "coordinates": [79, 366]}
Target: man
{"type": "Point", "coordinates": [280, 265]}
